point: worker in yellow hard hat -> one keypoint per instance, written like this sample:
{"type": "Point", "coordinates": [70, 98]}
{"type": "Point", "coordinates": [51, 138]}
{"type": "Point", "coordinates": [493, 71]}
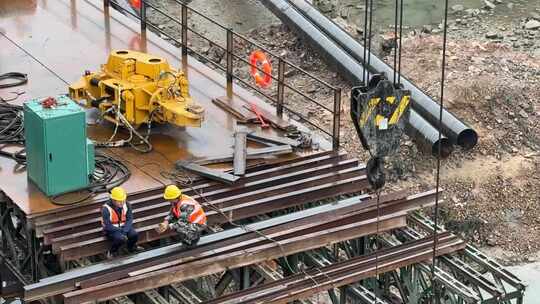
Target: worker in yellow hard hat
{"type": "Point", "coordinates": [117, 222]}
{"type": "Point", "coordinates": [186, 217]}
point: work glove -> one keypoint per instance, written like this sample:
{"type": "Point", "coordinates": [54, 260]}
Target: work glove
{"type": "Point", "coordinates": [162, 227]}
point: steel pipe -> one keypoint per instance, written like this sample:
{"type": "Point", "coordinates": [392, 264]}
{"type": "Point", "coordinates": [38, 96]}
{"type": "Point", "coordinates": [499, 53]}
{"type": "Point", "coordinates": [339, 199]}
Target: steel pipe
{"type": "Point", "coordinates": [351, 70]}
{"type": "Point", "coordinates": [455, 129]}
{"type": "Point", "coordinates": [426, 136]}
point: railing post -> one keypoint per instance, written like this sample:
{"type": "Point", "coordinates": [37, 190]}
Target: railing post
{"type": "Point", "coordinates": [184, 36]}
{"type": "Point", "coordinates": [280, 88]}
{"type": "Point", "coordinates": [337, 113]}
{"type": "Point", "coordinates": [106, 9]}
{"type": "Point", "coordinates": [143, 16]}
{"type": "Point", "coordinates": [229, 62]}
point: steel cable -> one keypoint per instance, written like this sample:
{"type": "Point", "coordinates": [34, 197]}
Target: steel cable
{"type": "Point", "coordinates": [368, 50]}
{"type": "Point", "coordinates": [394, 42]}
{"type": "Point", "coordinates": [365, 44]}
{"type": "Point", "coordinates": [399, 39]}
{"type": "Point", "coordinates": [370, 37]}
{"type": "Point", "coordinates": [437, 183]}
{"type": "Point", "coordinates": [377, 243]}
{"type": "Point", "coordinates": [35, 59]}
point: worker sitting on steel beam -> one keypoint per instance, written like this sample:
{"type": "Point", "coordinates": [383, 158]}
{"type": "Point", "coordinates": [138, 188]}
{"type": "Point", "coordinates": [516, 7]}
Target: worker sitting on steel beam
{"type": "Point", "coordinates": [186, 217]}
{"type": "Point", "coordinates": [117, 222]}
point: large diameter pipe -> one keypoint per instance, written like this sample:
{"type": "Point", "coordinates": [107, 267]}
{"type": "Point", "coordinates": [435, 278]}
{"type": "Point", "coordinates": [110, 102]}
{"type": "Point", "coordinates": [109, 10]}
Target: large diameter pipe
{"type": "Point", "coordinates": [427, 137]}
{"type": "Point", "coordinates": [420, 130]}
{"type": "Point", "coordinates": [331, 53]}
{"type": "Point", "coordinates": [454, 128]}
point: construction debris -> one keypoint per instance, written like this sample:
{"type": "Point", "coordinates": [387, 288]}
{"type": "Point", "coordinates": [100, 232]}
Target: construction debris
{"type": "Point", "coordinates": [240, 151]}
{"type": "Point", "coordinates": [273, 139]}
{"type": "Point", "coordinates": [235, 108]}
{"type": "Point", "coordinates": [269, 151]}
{"type": "Point", "coordinates": [274, 120]}
{"type": "Point", "coordinates": [252, 153]}
{"type": "Point", "coordinates": [253, 107]}
{"type": "Point", "coordinates": [303, 138]}
{"type": "Point", "coordinates": [207, 172]}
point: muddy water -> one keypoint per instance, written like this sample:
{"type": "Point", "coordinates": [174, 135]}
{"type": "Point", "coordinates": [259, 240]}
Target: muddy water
{"type": "Point", "coordinates": [530, 273]}
{"type": "Point", "coordinates": [421, 12]}
{"type": "Point", "coordinates": [245, 15]}
{"type": "Point", "coordinates": [240, 15]}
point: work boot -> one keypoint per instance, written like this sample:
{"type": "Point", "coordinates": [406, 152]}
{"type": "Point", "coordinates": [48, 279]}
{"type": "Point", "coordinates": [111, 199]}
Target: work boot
{"type": "Point", "coordinates": [135, 249]}
{"type": "Point", "coordinates": [190, 242]}
{"type": "Point", "coordinates": [110, 255]}
{"type": "Point", "coordinates": [195, 241]}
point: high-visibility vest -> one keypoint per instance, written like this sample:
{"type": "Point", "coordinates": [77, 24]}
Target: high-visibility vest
{"type": "Point", "coordinates": [113, 216]}
{"type": "Point", "coordinates": [197, 216]}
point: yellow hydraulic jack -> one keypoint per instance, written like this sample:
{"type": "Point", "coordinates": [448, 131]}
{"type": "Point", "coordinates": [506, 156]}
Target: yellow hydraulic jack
{"type": "Point", "coordinates": [133, 88]}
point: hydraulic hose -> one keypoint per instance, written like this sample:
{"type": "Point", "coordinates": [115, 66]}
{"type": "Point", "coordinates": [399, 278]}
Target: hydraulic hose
{"type": "Point", "coordinates": [20, 79]}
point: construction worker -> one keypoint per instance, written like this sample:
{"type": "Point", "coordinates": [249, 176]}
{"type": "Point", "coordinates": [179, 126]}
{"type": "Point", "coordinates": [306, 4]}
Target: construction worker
{"type": "Point", "coordinates": [186, 217]}
{"type": "Point", "coordinates": [117, 222]}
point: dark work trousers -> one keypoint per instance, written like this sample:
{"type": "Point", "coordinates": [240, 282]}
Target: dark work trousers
{"type": "Point", "coordinates": [117, 240]}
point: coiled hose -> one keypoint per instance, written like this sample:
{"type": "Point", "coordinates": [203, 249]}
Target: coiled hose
{"type": "Point", "coordinates": [12, 131]}
{"type": "Point", "coordinates": [20, 79]}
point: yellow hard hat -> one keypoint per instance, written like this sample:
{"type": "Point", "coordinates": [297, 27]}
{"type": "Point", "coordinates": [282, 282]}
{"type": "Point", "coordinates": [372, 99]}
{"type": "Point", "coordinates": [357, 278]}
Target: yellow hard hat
{"type": "Point", "coordinates": [171, 192]}
{"type": "Point", "coordinates": [118, 194]}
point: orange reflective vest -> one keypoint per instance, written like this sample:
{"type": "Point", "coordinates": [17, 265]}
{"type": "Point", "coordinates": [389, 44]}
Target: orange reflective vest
{"type": "Point", "coordinates": [113, 216]}
{"type": "Point", "coordinates": [196, 217]}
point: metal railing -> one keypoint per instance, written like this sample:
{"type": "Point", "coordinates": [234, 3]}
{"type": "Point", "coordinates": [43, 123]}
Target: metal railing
{"type": "Point", "coordinates": [275, 93]}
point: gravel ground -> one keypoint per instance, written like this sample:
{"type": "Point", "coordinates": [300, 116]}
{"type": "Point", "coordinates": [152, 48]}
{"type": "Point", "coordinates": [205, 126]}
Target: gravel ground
{"type": "Point", "coordinates": [493, 75]}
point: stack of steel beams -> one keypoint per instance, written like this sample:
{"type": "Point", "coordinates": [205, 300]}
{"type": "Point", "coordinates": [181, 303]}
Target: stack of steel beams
{"type": "Point", "coordinates": [343, 273]}
{"type": "Point", "coordinates": [74, 234]}
{"type": "Point", "coordinates": [277, 237]}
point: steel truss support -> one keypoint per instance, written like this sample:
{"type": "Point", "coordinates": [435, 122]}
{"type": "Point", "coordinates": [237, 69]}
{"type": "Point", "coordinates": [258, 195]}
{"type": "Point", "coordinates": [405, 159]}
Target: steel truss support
{"type": "Point", "coordinates": [184, 294]}
{"type": "Point", "coordinates": [417, 283]}
{"type": "Point", "coordinates": [244, 277]}
{"type": "Point", "coordinates": [500, 285]}
{"type": "Point", "coordinates": [356, 293]}
{"type": "Point", "coordinates": [11, 286]}
{"type": "Point", "coordinates": [21, 254]}
{"type": "Point", "coordinates": [412, 283]}
{"type": "Point", "coordinates": [150, 297]}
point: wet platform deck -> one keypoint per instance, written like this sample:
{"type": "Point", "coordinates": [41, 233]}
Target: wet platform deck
{"type": "Point", "coordinates": [54, 41]}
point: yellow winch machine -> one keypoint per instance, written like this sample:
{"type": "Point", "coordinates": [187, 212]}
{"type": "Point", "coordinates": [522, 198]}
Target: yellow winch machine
{"type": "Point", "coordinates": [135, 88]}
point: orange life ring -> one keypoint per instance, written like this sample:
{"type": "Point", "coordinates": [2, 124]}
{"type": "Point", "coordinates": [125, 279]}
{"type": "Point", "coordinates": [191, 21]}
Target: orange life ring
{"type": "Point", "coordinates": [135, 4]}
{"type": "Point", "coordinates": [261, 80]}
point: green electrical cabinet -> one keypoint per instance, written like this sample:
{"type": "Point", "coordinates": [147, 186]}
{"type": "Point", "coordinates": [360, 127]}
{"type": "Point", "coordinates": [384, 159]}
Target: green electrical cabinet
{"type": "Point", "coordinates": [60, 158]}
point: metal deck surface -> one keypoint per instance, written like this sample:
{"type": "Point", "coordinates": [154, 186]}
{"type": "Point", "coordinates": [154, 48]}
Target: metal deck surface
{"type": "Point", "coordinates": [54, 41]}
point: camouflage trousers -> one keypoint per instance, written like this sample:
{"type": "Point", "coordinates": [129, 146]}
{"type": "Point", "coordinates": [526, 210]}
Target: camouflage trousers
{"type": "Point", "coordinates": [189, 233]}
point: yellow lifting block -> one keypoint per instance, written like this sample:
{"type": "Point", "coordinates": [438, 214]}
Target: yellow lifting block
{"type": "Point", "coordinates": [143, 87]}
